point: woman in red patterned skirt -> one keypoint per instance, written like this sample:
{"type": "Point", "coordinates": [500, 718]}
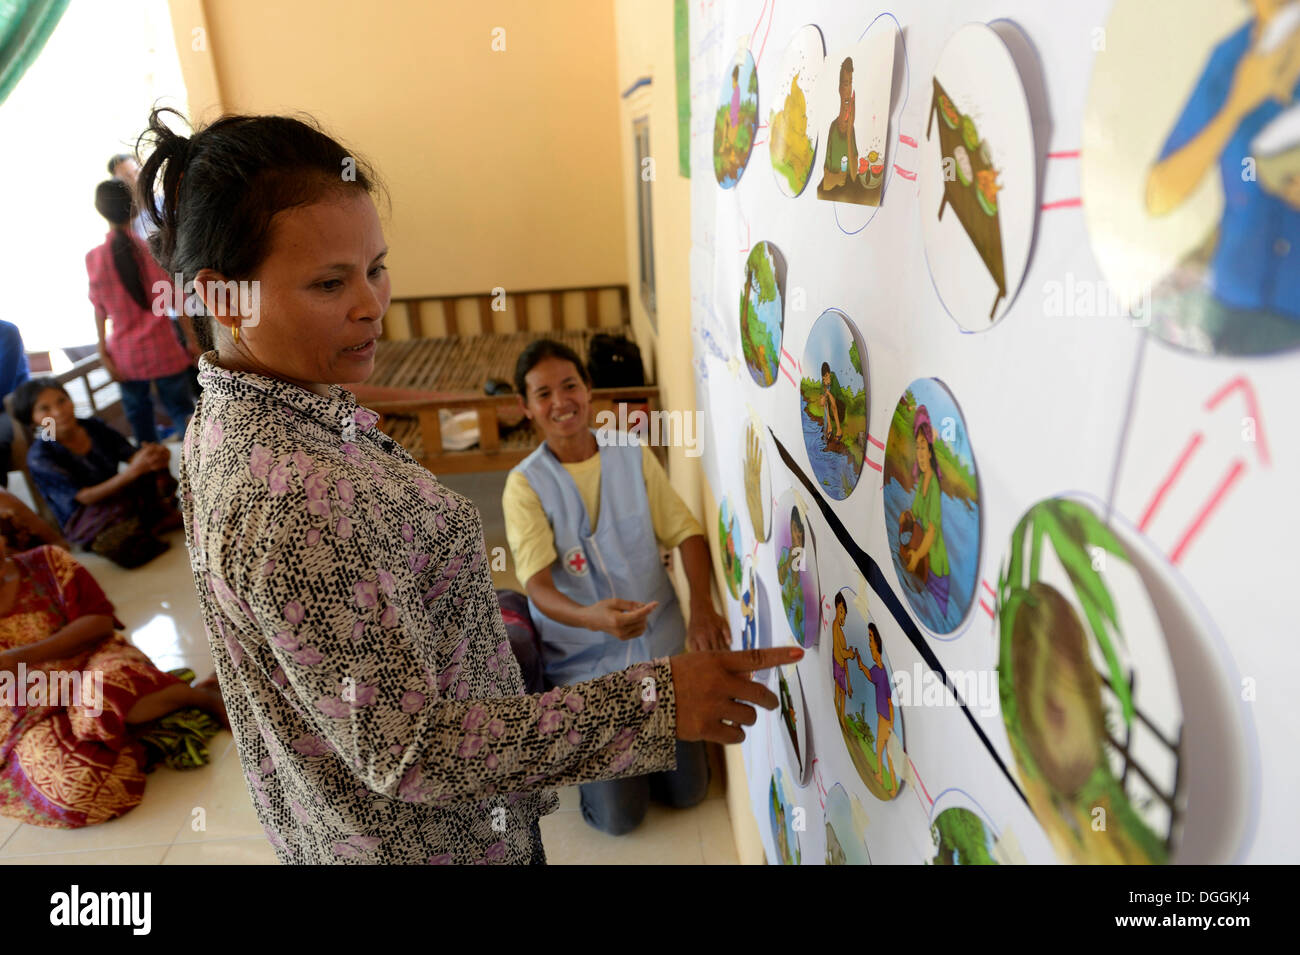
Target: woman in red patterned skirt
{"type": "Point", "coordinates": [71, 689]}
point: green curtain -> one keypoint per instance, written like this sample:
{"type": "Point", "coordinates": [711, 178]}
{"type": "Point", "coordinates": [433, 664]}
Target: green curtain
{"type": "Point", "coordinates": [25, 25]}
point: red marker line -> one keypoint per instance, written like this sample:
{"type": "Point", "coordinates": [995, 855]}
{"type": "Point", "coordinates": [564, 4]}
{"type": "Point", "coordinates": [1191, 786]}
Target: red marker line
{"type": "Point", "coordinates": [790, 376]}
{"type": "Point", "coordinates": [786, 354]}
{"type": "Point", "coordinates": [1235, 472]}
{"type": "Point", "coordinates": [985, 607]}
{"type": "Point", "coordinates": [1062, 204]}
{"type": "Point", "coordinates": [1169, 480]}
{"type": "Point", "coordinates": [873, 465]}
{"type": "Point", "coordinates": [989, 588]}
{"type": "Point", "coordinates": [759, 22]}
{"type": "Point", "coordinates": [917, 777]}
{"type": "Point", "coordinates": [759, 142]}
{"type": "Point", "coordinates": [907, 141]}
{"type": "Point", "coordinates": [1064, 154]}
{"type": "Point", "coordinates": [1251, 405]}
{"type": "Point", "coordinates": [906, 174]}
{"type": "Point", "coordinates": [765, 35]}
{"type": "Point", "coordinates": [875, 442]}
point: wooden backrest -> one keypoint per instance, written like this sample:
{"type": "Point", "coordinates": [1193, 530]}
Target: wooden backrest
{"type": "Point", "coordinates": [508, 310]}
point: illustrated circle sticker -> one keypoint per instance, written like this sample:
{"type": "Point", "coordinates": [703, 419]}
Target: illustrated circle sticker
{"type": "Point", "coordinates": [792, 130]}
{"type": "Point", "coordinates": [853, 100]}
{"type": "Point", "coordinates": [762, 312]}
{"type": "Point", "coordinates": [979, 178]}
{"type": "Point", "coordinates": [1191, 196]}
{"type": "Point", "coordinates": [736, 120]}
{"type": "Point", "coordinates": [1088, 692]}
{"type": "Point", "coordinates": [961, 831]}
{"type": "Point", "coordinates": [732, 549]}
{"type": "Point", "coordinates": [865, 699]}
{"type": "Point", "coordinates": [756, 623]}
{"type": "Point", "coordinates": [796, 570]}
{"type": "Point", "coordinates": [833, 403]}
{"type": "Point", "coordinates": [846, 829]}
{"type": "Point", "coordinates": [781, 814]}
{"type": "Point", "coordinates": [758, 479]}
{"type": "Point", "coordinates": [793, 710]}
{"type": "Point", "coordinates": [932, 505]}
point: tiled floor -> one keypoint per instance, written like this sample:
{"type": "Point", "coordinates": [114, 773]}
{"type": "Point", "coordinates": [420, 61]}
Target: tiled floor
{"type": "Point", "coordinates": [205, 817]}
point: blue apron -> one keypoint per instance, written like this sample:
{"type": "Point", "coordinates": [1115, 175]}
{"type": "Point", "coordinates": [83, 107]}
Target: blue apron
{"type": "Point", "coordinates": [620, 560]}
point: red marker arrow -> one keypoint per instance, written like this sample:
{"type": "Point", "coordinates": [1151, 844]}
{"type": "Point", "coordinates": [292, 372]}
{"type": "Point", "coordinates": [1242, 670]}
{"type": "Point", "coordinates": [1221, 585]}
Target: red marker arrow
{"type": "Point", "coordinates": [1226, 483]}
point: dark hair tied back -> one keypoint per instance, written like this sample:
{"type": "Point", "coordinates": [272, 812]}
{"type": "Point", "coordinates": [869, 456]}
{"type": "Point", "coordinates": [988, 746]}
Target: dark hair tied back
{"type": "Point", "coordinates": [213, 195]}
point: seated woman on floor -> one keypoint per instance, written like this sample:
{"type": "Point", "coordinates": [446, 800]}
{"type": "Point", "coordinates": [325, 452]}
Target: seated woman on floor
{"type": "Point", "coordinates": [21, 528]}
{"type": "Point", "coordinates": [74, 463]}
{"type": "Point", "coordinates": [70, 759]}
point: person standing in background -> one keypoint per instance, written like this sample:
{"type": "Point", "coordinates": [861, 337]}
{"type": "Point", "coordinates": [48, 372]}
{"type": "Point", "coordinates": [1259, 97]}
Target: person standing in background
{"type": "Point", "coordinates": [13, 372]}
{"type": "Point", "coordinates": [141, 350]}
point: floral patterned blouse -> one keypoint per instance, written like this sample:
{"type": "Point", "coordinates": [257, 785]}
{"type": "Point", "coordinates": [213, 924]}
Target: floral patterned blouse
{"type": "Point", "coordinates": [377, 706]}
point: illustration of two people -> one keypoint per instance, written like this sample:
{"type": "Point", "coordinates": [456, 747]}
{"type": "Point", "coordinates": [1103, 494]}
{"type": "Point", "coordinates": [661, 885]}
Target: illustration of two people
{"type": "Point", "coordinates": [841, 654]}
{"type": "Point", "coordinates": [788, 569]}
{"type": "Point", "coordinates": [927, 514]}
{"type": "Point", "coordinates": [1251, 297]}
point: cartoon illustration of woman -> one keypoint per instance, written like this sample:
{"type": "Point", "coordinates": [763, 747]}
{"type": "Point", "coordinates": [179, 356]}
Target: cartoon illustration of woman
{"type": "Point", "coordinates": [830, 408]}
{"type": "Point", "coordinates": [927, 513]}
{"type": "Point", "coordinates": [841, 142]}
{"type": "Point", "coordinates": [1252, 281]}
{"type": "Point", "coordinates": [788, 568]}
{"type": "Point", "coordinates": [733, 114]}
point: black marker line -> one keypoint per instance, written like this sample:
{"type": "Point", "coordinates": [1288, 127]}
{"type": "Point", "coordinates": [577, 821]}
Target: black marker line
{"type": "Point", "coordinates": [876, 580]}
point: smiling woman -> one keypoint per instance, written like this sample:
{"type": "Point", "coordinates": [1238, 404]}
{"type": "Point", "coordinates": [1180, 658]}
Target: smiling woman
{"type": "Point", "coordinates": [346, 594]}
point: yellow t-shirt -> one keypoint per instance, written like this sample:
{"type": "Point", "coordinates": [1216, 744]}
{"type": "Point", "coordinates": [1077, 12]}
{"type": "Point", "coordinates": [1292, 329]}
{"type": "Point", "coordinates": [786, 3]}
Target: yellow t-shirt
{"type": "Point", "coordinates": [529, 532]}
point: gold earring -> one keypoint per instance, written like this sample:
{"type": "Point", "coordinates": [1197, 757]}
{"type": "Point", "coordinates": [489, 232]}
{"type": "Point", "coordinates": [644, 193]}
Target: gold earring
{"type": "Point", "coordinates": [234, 332]}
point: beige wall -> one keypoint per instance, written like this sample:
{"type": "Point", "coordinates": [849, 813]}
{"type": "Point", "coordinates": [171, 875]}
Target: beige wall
{"type": "Point", "coordinates": [645, 49]}
{"type": "Point", "coordinates": [504, 168]}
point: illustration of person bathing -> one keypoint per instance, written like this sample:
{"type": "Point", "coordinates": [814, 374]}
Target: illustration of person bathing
{"type": "Point", "coordinates": [830, 408]}
{"type": "Point", "coordinates": [788, 567]}
{"type": "Point", "coordinates": [841, 143]}
{"type": "Point", "coordinates": [927, 511]}
{"type": "Point", "coordinates": [884, 707]}
{"type": "Point", "coordinates": [840, 657]}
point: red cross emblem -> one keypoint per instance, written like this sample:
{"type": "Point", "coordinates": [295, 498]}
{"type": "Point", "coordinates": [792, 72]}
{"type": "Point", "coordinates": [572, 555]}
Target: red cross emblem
{"type": "Point", "coordinates": [575, 562]}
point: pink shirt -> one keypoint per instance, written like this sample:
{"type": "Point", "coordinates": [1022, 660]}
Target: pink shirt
{"type": "Point", "coordinates": [141, 344]}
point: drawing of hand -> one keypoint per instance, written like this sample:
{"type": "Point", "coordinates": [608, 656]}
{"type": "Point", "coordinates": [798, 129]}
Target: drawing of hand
{"type": "Point", "coordinates": [1258, 77]}
{"type": "Point", "coordinates": [754, 479]}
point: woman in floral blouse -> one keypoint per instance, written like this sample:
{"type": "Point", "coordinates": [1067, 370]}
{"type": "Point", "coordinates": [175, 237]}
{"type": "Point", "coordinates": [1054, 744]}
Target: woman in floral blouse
{"type": "Point", "coordinates": [378, 710]}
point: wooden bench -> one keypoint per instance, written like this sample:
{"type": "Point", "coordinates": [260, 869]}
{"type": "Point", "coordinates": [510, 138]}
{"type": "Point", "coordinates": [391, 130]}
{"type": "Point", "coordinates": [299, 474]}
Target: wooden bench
{"type": "Point", "coordinates": [439, 352]}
